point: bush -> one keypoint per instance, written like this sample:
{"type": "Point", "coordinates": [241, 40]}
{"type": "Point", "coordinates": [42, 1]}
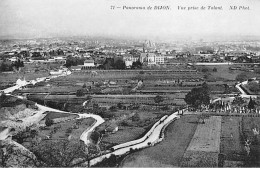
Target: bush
{"type": "Point", "coordinates": [136, 117]}
{"type": "Point", "coordinates": [205, 69]}
{"type": "Point", "coordinates": [112, 108]}
{"type": "Point", "coordinates": [80, 93]}
{"type": "Point", "coordinates": [119, 105]}
{"type": "Point", "coordinates": [48, 121]}
{"type": "Point", "coordinates": [69, 130]}
{"type": "Point", "coordinates": [106, 114]}
{"type": "Point", "coordinates": [126, 123]}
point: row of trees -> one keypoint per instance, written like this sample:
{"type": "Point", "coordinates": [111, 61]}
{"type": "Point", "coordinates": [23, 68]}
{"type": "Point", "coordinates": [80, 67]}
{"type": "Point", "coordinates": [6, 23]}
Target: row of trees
{"type": "Point", "coordinates": [70, 61]}
{"type": "Point", "coordinates": [10, 66]}
{"type": "Point", "coordinates": [109, 63]}
{"type": "Point", "coordinates": [119, 64]}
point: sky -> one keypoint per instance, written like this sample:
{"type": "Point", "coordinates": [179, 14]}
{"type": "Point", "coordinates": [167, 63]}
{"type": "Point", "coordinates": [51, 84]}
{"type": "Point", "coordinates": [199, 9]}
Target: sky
{"type": "Point", "coordinates": [50, 18]}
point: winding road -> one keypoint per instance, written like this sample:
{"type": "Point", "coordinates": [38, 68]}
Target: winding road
{"type": "Point", "coordinates": [40, 114]}
{"type": "Point", "coordinates": [153, 136]}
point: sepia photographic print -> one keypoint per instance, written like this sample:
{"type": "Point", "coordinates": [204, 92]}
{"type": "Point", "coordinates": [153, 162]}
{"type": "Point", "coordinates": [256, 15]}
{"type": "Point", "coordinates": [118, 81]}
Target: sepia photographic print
{"type": "Point", "coordinates": [129, 84]}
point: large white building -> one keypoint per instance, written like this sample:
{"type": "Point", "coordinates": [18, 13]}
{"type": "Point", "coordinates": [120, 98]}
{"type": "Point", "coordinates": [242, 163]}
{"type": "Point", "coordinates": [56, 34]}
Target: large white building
{"type": "Point", "coordinates": [159, 59]}
{"type": "Point", "coordinates": [89, 63]}
{"type": "Point", "coordinates": [153, 59]}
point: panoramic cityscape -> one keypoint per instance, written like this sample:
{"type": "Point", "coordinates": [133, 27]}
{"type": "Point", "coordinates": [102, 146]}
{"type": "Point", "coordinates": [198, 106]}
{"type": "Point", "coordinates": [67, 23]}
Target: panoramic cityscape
{"type": "Point", "coordinates": [83, 95]}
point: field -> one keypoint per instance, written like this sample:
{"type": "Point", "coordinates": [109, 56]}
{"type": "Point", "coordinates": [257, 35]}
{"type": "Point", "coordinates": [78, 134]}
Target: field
{"type": "Point", "coordinates": [230, 144]}
{"type": "Point", "coordinates": [63, 130]}
{"type": "Point", "coordinates": [207, 136]}
{"type": "Point", "coordinates": [170, 151]}
{"type": "Point", "coordinates": [129, 128]}
{"type": "Point", "coordinates": [248, 124]}
{"type": "Point", "coordinates": [124, 134]}
{"type": "Point", "coordinates": [224, 72]}
{"type": "Point", "coordinates": [60, 130]}
{"type": "Point", "coordinates": [204, 147]}
{"type": "Point", "coordinates": [181, 146]}
{"type": "Point", "coordinates": [9, 79]}
{"type": "Point", "coordinates": [51, 88]}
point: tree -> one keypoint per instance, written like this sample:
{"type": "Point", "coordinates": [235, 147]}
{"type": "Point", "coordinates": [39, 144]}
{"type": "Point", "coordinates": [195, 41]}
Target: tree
{"type": "Point", "coordinates": [119, 64]}
{"type": "Point", "coordinates": [215, 69]}
{"type": "Point", "coordinates": [227, 89]}
{"type": "Point", "coordinates": [238, 101]}
{"type": "Point", "coordinates": [105, 114]}
{"type": "Point", "coordinates": [205, 69]}
{"type": "Point", "coordinates": [251, 104]}
{"type": "Point", "coordinates": [137, 65]}
{"type": "Point", "coordinates": [108, 64]}
{"type": "Point", "coordinates": [198, 96]}
{"type": "Point", "coordinates": [48, 121]}
{"type": "Point", "coordinates": [73, 61]}
{"type": "Point", "coordinates": [205, 87]}
{"type": "Point", "coordinates": [158, 99]}
{"type": "Point", "coordinates": [136, 117]}
{"type": "Point", "coordinates": [18, 64]}
{"type": "Point", "coordinates": [119, 105]}
{"type": "Point", "coordinates": [80, 93]}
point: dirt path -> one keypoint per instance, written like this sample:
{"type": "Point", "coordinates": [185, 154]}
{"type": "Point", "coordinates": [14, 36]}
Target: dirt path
{"type": "Point", "coordinates": [170, 151]}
